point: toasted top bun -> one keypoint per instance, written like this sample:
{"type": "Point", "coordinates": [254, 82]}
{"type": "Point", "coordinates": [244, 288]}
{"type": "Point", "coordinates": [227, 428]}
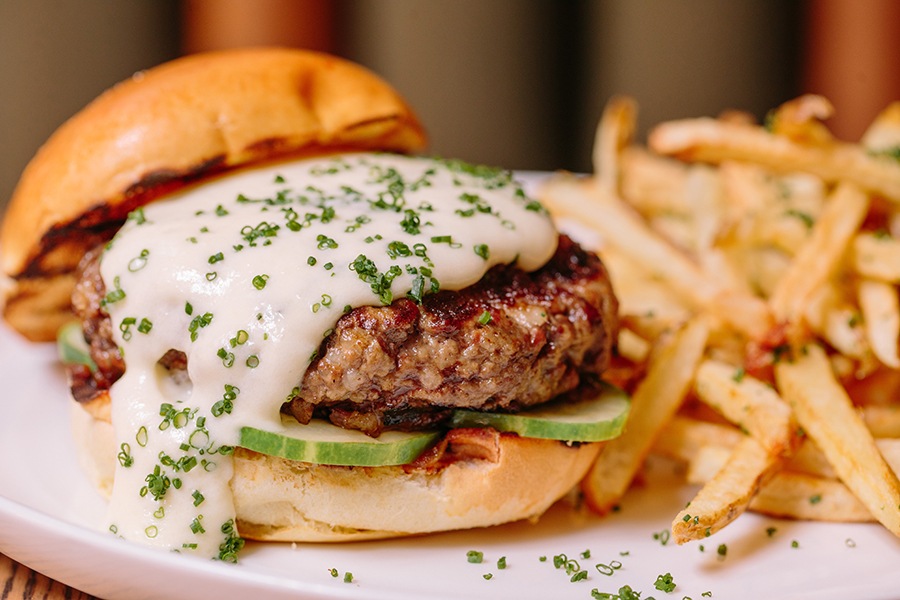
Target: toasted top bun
{"type": "Point", "coordinates": [170, 126]}
{"type": "Point", "coordinates": [288, 501]}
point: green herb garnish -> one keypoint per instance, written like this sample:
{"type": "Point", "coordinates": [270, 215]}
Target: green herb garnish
{"type": "Point", "coordinates": [665, 583]}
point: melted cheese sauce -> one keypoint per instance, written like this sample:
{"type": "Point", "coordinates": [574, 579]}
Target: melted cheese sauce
{"type": "Point", "coordinates": [246, 275]}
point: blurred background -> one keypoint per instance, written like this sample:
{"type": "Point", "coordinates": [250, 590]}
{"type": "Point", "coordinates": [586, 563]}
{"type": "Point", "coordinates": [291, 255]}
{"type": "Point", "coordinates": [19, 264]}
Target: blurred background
{"type": "Point", "coordinates": [506, 82]}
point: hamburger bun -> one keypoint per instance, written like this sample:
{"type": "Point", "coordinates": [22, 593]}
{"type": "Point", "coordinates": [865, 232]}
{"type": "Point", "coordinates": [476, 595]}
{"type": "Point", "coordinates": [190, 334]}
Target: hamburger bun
{"type": "Point", "coordinates": [166, 127]}
{"type": "Point", "coordinates": [197, 117]}
{"type": "Point", "coordinates": [287, 501]}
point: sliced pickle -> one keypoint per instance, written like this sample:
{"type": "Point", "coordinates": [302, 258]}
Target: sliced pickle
{"type": "Point", "coordinates": [323, 443]}
{"type": "Point", "coordinates": [590, 419]}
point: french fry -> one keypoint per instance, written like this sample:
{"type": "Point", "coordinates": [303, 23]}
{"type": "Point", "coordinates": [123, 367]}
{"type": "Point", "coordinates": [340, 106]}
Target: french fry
{"type": "Point", "coordinates": [720, 266]}
{"type": "Point", "coordinates": [825, 412]}
{"type": "Point", "coordinates": [883, 134]}
{"type": "Point", "coordinates": [755, 408]}
{"type": "Point", "coordinates": [795, 493]}
{"type": "Point", "coordinates": [632, 346]}
{"type": "Point", "coordinates": [623, 228]}
{"type": "Point", "coordinates": [647, 307]}
{"type": "Point", "coordinates": [724, 240]}
{"type": "Point", "coordinates": [819, 257]}
{"type": "Point", "coordinates": [747, 190]}
{"type": "Point", "coordinates": [801, 496]}
{"type": "Point", "coordinates": [713, 141]}
{"type": "Point", "coordinates": [653, 184]}
{"type": "Point", "coordinates": [890, 450]}
{"type": "Point", "coordinates": [877, 256]}
{"type": "Point", "coordinates": [707, 462]}
{"type": "Point", "coordinates": [620, 226]}
{"type": "Point", "coordinates": [654, 402]}
{"type": "Point", "coordinates": [763, 268]}
{"type": "Point", "coordinates": [770, 211]}
{"type": "Point", "coordinates": [707, 210]}
{"type": "Point", "coordinates": [683, 438]}
{"type": "Point", "coordinates": [728, 494]}
{"type": "Point", "coordinates": [614, 132]}
{"type": "Point", "coordinates": [810, 460]}
{"type": "Point", "coordinates": [745, 312]}
{"type": "Point", "coordinates": [882, 421]}
{"type": "Point", "coordinates": [748, 403]}
{"type": "Point", "coordinates": [833, 318]}
{"type": "Point", "coordinates": [801, 119]}
{"type": "Point", "coordinates": [881, 314]}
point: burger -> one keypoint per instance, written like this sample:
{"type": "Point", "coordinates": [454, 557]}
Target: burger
{"type": "Point", "coordinates": [280, 321]}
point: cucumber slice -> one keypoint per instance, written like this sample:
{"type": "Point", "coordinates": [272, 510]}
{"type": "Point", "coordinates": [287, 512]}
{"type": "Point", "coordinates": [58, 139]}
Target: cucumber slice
{"type": "Point", "coordinates": [593, 419]}
{"type": "Point", "coordinates": [72, 348]}
{"type": "Point", "coordinates": [323, 443]}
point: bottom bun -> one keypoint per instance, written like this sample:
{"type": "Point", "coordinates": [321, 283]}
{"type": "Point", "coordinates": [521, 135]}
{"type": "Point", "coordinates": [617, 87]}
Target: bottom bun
{"type": "Point", "coordinates": [283, 500]}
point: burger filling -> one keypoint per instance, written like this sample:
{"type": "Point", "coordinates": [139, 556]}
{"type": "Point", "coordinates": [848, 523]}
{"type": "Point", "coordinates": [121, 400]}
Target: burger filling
{"type": "Point", "coordinates": [376, 291]}
{"type": "Point", "coordinates": [512, 340]}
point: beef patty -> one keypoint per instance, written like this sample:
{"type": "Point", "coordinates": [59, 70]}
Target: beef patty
{"type": "Point", "coordinates": [512, 340]}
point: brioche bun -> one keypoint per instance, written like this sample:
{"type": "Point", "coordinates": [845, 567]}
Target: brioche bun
{"type": "Point", "coordinates": [289, 501]}
{"type": "Point", "coordinates": [169, 126]}
{"type": "Point", "coordinates": [197, 117]}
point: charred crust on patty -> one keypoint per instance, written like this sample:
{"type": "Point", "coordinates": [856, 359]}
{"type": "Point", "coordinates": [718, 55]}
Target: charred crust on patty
{"type": "Point", "coordinates": [407, 366]}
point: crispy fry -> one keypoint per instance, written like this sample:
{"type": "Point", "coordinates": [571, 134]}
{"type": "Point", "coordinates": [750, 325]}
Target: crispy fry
{"type": "Point", "coordinates": [653, 184]}
{"type": "Point", "coordinates": [890, 450]}
{"type": "Point", "coordinates": [748, 403]}
{"type": "Point", "coordinates": [655, 400]}
{"type": "Point", "coordinates": [620, 226]}
{"type": "Point", "coordinates": [810, 460]}
{"type": "Point", "coordinates": [683, 438]}
{"type": "Point", "coordinates": [632, 346]}
{"type": "Point", "coordinates": [623, 228]}
{"type": "Point", "coordinates": [819, 257]}
{"type": "Point", "coordinates": [706, 463]}
{"type": "Point", "coordinates": [881, 315]}
{"type": "Point", "coordinates": [707, 210]}
{"type": "Point", "coordinates": [824, 410]}
{"type": "Point", "coordinates": [746, 313]}
{"type": "Point", "coordinates": [728, 494]}
{"type": "Point", "coordinates": [806, 489]}
{"type": "Point", "coordinates": [731, 241]}
{"type": "Point", "coordinates": [643, 299]}
{"type": "Point", "coordinates": [614, 132]}
{"type": "Point", "coordinates": [755, 408]}
{"type": "Point", "coordinates": [802, 496]}
{"type": "Point", "coordinates": [884, 132]}
{"type": "Point", "coordinates": [877, 256]}
{"type": "Point", "coordinates": [747, 188]}
{"type": "Point", "coordinates": [882, 421]}
{"type": "Point", "coordinates": [801, 119]}
{"type": "Point", "coordinates": [831, 316]}
{"type": "Point", "coordinates": [709, 140]}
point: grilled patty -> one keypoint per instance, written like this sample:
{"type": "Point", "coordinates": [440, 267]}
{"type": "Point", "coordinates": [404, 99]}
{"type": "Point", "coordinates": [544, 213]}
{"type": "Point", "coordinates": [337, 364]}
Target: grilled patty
{"type": "Point", "coordinates": [512, 340]}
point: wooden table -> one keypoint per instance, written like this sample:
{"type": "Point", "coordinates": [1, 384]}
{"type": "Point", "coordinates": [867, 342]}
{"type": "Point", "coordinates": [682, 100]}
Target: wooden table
{"type": "Point", "coordinates": [19, 582]}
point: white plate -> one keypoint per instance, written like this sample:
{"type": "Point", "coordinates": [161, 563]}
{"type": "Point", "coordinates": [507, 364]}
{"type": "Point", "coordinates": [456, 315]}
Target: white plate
{"type": "Point", "coordinates": [49, 516]}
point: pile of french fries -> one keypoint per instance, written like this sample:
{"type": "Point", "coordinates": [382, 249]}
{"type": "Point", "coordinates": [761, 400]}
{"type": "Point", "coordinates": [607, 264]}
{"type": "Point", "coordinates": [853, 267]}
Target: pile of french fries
{"type": "Point", "coordinates": [757, 268]}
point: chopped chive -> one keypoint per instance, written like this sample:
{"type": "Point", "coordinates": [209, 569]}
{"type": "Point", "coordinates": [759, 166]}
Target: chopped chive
{"type": "Point", "coordinates": [259, 281]}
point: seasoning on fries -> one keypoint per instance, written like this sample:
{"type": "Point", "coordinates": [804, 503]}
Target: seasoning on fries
{"type": "Point", "coordinates": [757, 267]}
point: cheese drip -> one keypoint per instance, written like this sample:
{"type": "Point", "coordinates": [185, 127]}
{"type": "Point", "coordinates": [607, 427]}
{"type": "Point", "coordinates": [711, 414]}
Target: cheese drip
{"type": "Point", "coordinates": [246, 275]}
